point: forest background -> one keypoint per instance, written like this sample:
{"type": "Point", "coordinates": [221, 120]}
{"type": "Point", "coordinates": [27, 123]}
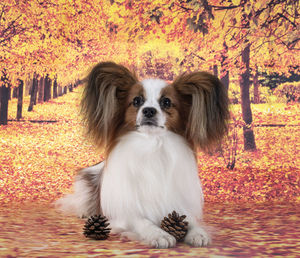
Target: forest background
{"type": "Point", "coordinates": [47, 48]}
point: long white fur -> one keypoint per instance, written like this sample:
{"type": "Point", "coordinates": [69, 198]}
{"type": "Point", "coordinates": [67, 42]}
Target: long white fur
{"type": "Point", "coordinates": [79, 202]}
{"type": "Point", "coordinates": [154, 175]}
{"type": "Point", "coordinates": [148, 174]}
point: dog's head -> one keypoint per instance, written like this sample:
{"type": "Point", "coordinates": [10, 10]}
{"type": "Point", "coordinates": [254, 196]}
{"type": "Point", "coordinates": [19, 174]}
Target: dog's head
{"type": "Point", "coordinates": [115, 102]}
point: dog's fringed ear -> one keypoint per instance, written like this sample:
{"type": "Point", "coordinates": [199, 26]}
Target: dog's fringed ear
{"type": "Point", "coordinates": [205, 106]}
{"type": "Point", "coordinates": [104, 100]}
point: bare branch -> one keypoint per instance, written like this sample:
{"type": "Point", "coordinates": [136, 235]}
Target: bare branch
{"type": "Point", "coordinates": [185, 8]}
{"type": "Point", "coordinates": [11, 25]}
{"type": "Point", "coordinates": [292, 44]}
{"type": "Point", "coordinates": [200, 57]}
{"type": "Point", "coordinates": [2, 12]}
{"type": "Point", "coordinates": [284, 17]}
{"type": "Point", "coordinates": [221, 8]}
{"type": "Point", "coordinates": [242, 38]}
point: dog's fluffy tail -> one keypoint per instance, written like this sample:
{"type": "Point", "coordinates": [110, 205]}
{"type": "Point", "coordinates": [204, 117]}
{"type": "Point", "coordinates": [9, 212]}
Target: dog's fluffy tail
{"type": "Point", "coordinates": [85, 201]}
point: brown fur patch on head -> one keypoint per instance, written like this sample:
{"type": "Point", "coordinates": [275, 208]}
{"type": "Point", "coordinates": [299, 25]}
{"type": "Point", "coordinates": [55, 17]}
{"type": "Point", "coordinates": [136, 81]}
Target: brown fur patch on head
{"type": "Point", "coordinates": [131, 113]}
{"type": "Point", "coordinates": [104, 101]}
{"type": "Point", "coordinates": [173, 114]}
{"type": "Point", "coordinates": [204, 103]}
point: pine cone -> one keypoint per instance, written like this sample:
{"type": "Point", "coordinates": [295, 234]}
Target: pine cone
{"type": "Point", "coordinates": [96, 227]}
{"type": "Point", "coordinates": [175, 225]}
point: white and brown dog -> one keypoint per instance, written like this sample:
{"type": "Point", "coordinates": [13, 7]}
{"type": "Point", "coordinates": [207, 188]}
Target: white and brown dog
{"type": "Point", "coordinates": [150, 131]}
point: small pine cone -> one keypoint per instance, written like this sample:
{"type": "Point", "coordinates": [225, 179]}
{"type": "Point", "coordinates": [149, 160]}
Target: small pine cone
{"type": "Point", "coordinates": [96, 227]}
{"type": "Point", "coordinates": [175, 225]}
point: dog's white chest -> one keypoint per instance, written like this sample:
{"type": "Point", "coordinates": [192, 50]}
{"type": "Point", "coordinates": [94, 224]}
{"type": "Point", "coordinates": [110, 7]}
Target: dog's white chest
{"type": "Point", "coordinates": [150, 176]}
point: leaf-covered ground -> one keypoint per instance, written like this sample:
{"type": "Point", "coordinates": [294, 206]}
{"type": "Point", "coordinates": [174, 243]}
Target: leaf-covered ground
{"type": "Point", "coordinates": [245, 230]}
{"type": "Point", "coordinates": [38, 160]}
{"type": "Point", "coordinates": [253, 208]}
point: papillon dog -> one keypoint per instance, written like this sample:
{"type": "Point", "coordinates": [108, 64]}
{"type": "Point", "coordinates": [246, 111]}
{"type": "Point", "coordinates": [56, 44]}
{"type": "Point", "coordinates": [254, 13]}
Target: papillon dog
{"type": "Point", "coordinates": [150, 131]}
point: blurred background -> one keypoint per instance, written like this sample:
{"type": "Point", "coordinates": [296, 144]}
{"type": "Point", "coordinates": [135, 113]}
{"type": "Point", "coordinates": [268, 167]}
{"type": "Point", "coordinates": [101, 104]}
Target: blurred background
{"type": "Point", "coordinates": [47, 48]}
{"type": "Point", "coordinates": [251, 181]}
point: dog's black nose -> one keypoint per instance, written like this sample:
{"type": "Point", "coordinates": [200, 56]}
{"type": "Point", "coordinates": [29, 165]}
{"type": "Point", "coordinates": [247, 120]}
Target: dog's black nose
{"type": "Point", "coordinates": [149, 112]}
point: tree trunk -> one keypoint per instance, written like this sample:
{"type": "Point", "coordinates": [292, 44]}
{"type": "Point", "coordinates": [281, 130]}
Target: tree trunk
{"type": "Point", "coordinates": [215, 69]}
{"type": "Point", "coordinates": [47, 88]}
{"type": "Point", "coordinates": [55, 89]}
{"type": "Point", "coordinates": [15, 92]}
{"type": "Point", "coordinates": [249, 140]}
{"type": "Point", "coordinates": [224, 76]}
{"type": "Point", "coordinates": [60, 93]}
{"type": "Point", "coordinates": [225, 80]}
{"type": "Point", "coordinates": [36, 89]}
{"type": "Point", "coordinates": [41, 90]}
{"type": "Point", "coordinates": [70, 87]}
{"type": "Point", "coordinates": [27, 85]}
{"type": "Point", "coordinates": [4, 104]}
{"type": "Point", "coordinates": [256, 88]}
{"type": "Point", "coordinates": [65, 90]}
{"type": "Point", "coordinates": [33, 93]}
{"type": "Point", "coordinates": [77, 82]}
{"type": "Point", "coordinates": [20, 99]}
{"type": "Point", "coordinates": [9, 92]}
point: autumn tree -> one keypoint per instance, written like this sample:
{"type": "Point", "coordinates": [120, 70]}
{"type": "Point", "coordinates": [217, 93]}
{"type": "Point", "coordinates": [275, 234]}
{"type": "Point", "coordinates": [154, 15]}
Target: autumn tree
{"type": "Point", "coordinates": [57, 42]}
{"type": "Point", "coordinates": [11, 26]}
{"type": "Point", "coordinates": [4, 97]}
{"type": "Point", "coordinates": [33, 92]}
{"type": "Point", "coordinates": [20, 99]}
{"type": "Point", "coordinates": [50, 39]}
{"type": "Point", "coordinates": [242, 26]}
{"type": "Point", "coordinates": [55, 88]}
{"type": "Point", "coordinates": [256, 27]}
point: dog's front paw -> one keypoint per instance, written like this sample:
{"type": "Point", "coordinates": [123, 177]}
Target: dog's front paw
{"type": "Point", "coordinates": [160, 239]}
{"type": "Point", "coordinates": [197, 237]}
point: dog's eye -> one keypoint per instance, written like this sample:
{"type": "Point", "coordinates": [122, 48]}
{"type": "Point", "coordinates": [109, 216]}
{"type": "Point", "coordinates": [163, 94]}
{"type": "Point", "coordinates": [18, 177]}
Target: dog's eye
{"type": "Point", "coordinates": [138, 101]}
{"type": "Point", "coordinates": [165, 103]}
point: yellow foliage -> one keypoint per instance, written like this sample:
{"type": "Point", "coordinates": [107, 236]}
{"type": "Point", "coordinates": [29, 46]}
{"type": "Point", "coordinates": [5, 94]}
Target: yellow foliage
{"type": "Point", "coordinates": [66, 36]}
{"type": "Point", "coordinates": [38, 160]}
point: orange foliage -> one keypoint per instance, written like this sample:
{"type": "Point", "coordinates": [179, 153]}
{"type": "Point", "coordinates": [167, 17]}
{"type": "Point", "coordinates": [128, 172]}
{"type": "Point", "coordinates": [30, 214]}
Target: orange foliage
{"type": "Point", "coordinates": [38, 160]}
{"type": "Point", "coordinates": [67, 37]}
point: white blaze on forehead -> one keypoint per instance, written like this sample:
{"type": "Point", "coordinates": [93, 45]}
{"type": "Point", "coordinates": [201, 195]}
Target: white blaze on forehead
{"type": "Point", "coordinates": [152, 89]}
{"type": "Point", "coordinates": [152, 94]}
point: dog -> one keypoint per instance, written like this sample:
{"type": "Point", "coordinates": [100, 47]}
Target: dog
{"type": "Point", "coordinates": [150, 131]}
